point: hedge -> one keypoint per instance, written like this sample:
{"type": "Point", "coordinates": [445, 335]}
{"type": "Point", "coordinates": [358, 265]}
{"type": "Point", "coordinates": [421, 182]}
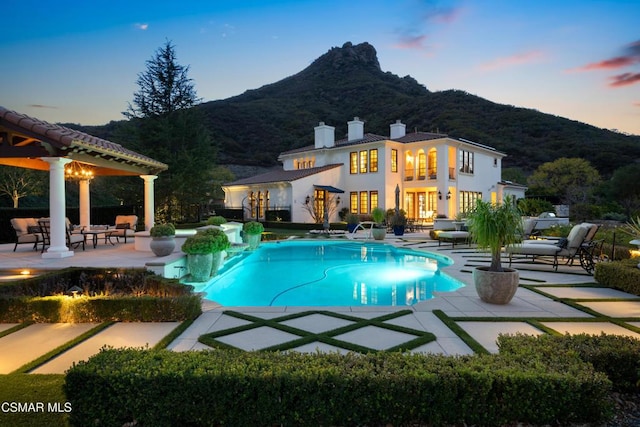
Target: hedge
{"type": "Point", "coordinates": [623, 275]}
{"type": "Point", "coordinates": [228, 387]}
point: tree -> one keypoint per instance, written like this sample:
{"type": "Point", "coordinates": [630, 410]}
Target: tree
{"type": "Point", "coordinates": [624, 186]}
{"type": "Point", "coordinates": [572, 180]}
{"type": "Point", "coordinates": [164, 87]}
{"type": "Point", "coordinates": [168, 128]}
{"type": "Point", "coordinates": [18, 183]}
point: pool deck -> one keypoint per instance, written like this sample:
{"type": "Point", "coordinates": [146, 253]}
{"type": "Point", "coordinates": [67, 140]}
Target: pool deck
{"type": "Point", "coordinates": [550, 300]}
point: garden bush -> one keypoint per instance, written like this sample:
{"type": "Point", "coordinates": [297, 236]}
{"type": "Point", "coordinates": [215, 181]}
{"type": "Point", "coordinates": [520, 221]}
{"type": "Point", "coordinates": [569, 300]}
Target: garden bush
{"type": "Point", "coordinates": [229, 387]}
{"type": "Point", "coordinates": [623, 275]}
{"type": "Point", "coordinates": [95, 295]}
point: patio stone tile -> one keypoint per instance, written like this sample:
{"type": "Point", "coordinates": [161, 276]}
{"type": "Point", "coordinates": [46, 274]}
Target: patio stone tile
{"type": "Point", "coordinates": [636, 324]}
{"type": "Point", "coordinates": [445, 346]}
{"type": "Point", "coordinates": [407, 321]}
{"type": "Point", "coordinates": [486, 333]}
{"type": "Point", "coordinates": [591, 328]}
{"type": "Point", "coordinates": [31, 342]}
{"type": "Point", "coordinates": [586, 293]}
{"type": "Point", "coordinates": [321, 347]}
{"type": "Point", "coordinates": [317, 323]}
{"type": "Point", "coordinates": [375, 337]}
{"type": "Point", "coordinates": [119, 335]}
{"type": "Point", "coordinates": [430, 323]}
{"type": "Point", "coordinates": [226, 322]}
{"type": "Point", "coordinates": [257, 338]}
{"type": "Point", "coordinates": [615, 308]}
{"type": "Point", "coordinates": [5, 326]}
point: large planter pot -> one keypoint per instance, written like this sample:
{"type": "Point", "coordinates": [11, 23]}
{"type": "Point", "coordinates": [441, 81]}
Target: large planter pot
{"type": "Point", "coordinates": [496, 287]}
{"type": "Point", "coordinates": [199, 266]}
{"type": "Point", "coordinates": [398, 230]}
{"type": "Point", "coordinates": [253, 240]}
{"type": "Point", "coordinates": [351, 227]}
{"type": "Point", "coordinates": [216, 262]}
{"type": "Point", "coordinates": [378, 233]}
{"type": "Point", "coordinates": [162, 245]}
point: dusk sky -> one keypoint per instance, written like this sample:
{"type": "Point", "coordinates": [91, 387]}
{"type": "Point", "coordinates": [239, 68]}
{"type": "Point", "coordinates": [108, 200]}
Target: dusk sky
{"type": "Point", "coordinates": [77, 62]}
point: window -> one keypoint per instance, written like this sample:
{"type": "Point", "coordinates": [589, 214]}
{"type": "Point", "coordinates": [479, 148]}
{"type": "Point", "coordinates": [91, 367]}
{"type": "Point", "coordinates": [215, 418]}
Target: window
{"type": "Point", "coordinates": [374, 199]}
{"type": "Point", "coordinates": [364, 163]}
{"type": "Point", "coordinates": [468, 200]}
{"type": "Point", "coordinates": [364, 202]}
{"type": "Point", "coordinates": [408, 168]}
{"type": "Point", "coordinates": [422, 165]}
{"type": "Point", "coordinates": [394, 160]}
{"type": "Point", "coordinates": [319, 201]}
{"type": "Point", "coordinates": [353, 162]}
{"type": "Point", "coordinates": [466, 161]}
{"type": "Point", "coordinates": [353, 202]}
{"type": "Point", "coordinates": [432, 164]}
{"type": "Point", "coordinates": [373, 160]}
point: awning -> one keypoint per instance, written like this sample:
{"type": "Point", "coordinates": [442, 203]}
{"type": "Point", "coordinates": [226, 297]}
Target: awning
{"type": "Point", "coordinates": [329, 188]}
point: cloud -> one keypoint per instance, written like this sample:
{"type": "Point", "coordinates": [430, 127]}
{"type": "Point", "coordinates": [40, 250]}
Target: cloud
{"type": "Point", "coordinates": [624, 79]}
{"type": "Point", "coordinates": [42, 106]}
{"type": "Point", "coordinates": [411, 42]}
{"type": "Point", "coordinates": [142, 27]}
{"type": "Point", "coordinates": [513, 60]}
{"type": "Point", "coordinates": [629, 58]}
{"type": "Point", "coordinates": [636, 104]}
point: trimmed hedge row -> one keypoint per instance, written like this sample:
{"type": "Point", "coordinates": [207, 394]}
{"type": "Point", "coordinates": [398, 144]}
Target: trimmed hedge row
{"type": "Point", "coordinates": [227, 387]}
{"type": "Point", "coordinates": [82, 309]}
{"type": "Point", "coordinates": [129, 295]}
{"type": "Point", "coordinates": [623, 275]}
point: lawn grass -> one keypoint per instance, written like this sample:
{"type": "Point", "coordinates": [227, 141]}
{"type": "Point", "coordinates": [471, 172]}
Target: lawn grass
{"type": "Point", "coordinates": [44, 391]}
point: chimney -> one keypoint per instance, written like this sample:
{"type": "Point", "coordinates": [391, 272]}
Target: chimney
{"type": "Point", "coordinates": [324, 135]}
{"type": "Point", "coordinates": [356, 129]}
{"type": "Point", "coordinates": [398, 130]}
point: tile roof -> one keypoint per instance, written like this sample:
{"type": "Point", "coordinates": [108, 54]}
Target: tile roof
{"type": "Point", "coordinates": [283, 175]}
{"type": "Point", "coordinates": [64, 140]}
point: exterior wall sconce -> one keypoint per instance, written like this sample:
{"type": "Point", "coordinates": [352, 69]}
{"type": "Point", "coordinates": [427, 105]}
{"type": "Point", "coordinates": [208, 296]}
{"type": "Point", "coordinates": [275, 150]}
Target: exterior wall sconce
{"type": "Point", "coordinates": [439, 195]}
{"type": "Point", "coordinates": [337, 200]}
{"type": "Point", "coordinates": [307, 200]}
{"type": "Point", "coordinates": [448, 195]}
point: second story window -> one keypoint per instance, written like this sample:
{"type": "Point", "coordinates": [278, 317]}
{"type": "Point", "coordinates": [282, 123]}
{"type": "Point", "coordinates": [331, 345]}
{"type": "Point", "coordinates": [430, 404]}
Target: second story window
{"type": "Point", "coordinates": [394, 160]}
{"type": "Point", "coordinates": [353, 162]}
{"type": "Point", "coordinates": [364, 161]}
{"type": "Point", "coordinates": [373, 160]}
{"type": "Point", "coordinates": [422, 165]}
{"type": "Point", "coordinates": [466, 161]}
{"type": "Point", "coordinates": [432, 164]}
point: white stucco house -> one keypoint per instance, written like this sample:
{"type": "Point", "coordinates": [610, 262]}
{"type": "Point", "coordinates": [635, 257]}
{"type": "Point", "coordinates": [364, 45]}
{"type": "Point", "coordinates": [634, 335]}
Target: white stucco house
{"type": "Point", "coordinates": [435, 174]}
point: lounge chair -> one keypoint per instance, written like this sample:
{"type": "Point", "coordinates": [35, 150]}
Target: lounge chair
{"type": "Point", "coordinates": [27, 231]}
{"type": "Point", "coordinates": [74, 240]}
{"type": "Point", "coordinates": [567, 248]}
{"type": "Point", "coordinates": [125, 227]}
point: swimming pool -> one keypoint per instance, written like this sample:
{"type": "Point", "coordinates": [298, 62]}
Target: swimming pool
{"type": "Point", "coordinates": [330, 273]}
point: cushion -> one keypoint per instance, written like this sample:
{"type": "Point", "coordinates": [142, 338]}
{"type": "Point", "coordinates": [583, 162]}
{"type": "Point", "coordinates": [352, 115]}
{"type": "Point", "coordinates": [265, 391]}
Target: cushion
{"type": "Point", "coordinates": [132, 220]}
{"type": "Point", "coordinates": [33, 229]}
{"type": "Point", "coordinates": [125, 225]}
{"type": "Point", "coordinates": [562, 242]}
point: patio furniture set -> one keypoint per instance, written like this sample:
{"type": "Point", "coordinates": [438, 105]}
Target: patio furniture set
{"type": "Point", "coordinates": [36, 232]}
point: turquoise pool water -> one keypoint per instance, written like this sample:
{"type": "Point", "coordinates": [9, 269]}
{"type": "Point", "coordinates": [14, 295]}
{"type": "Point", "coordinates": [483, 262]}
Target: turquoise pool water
{"type": "Point", "coordinates": [330, 273]}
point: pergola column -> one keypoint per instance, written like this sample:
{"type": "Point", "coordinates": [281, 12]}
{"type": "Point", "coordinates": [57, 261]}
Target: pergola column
{"type": "Point", "coordinates": [57, 209]}
{"type": "Point", "coordinates": [85, 203]}
{"type": "Point", "coordinates": [149, 202]}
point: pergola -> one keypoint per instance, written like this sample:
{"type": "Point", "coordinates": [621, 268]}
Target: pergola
{"type": "Point", "coordinates": [31, 143]}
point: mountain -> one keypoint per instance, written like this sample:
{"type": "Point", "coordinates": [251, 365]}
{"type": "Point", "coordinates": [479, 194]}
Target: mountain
{"type": "Point", "coordinates": [254, 127]}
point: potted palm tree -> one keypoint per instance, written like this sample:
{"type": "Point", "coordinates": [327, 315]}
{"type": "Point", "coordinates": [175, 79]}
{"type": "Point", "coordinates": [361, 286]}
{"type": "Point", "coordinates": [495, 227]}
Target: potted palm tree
{"type": "Point", "coordinates": [379, 230]}
{"type": "Point", "coordinates": [493, 226]}
{"type": "Point", "coordinates": [632, 228]}
{"type": "Point", "coordinates": [252, 233]}
{"type": "Point", "coordinates": [398, 222]}
{"type": "Point", "coordinates": [162, 239]}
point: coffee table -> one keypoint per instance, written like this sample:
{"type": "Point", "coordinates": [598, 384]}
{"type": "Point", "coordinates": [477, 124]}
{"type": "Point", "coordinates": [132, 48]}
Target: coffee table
{"type": "Point", "coordinates": [94, 235]}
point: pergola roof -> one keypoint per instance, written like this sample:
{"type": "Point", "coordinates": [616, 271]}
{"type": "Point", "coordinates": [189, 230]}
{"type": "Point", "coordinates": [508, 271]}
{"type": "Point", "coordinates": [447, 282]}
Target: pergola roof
{"type": "Point", "coordinates": [24, 140]}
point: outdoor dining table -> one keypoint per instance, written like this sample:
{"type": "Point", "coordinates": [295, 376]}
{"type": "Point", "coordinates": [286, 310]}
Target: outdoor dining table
{"type": "Point", "coordinates": [95, 232]}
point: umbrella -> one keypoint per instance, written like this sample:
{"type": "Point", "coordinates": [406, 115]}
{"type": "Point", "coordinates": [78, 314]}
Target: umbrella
{"type": "Point", "coordinates": [397, 198]}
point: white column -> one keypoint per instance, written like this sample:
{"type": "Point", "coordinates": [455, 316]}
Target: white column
{"type": "Point", "coordinates": [85, 203]}
{"type": "Point", "coordinates": [58, 233]}
{"type": "Point", "coordinates": [149, 202]}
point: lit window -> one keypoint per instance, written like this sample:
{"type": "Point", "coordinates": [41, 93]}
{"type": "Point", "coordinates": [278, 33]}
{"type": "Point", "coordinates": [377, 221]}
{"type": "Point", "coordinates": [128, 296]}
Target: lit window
{"type": "Point", "coordinates": [468, 200]}
{"type": "Point", "coordinates": [373, 160]}
{"type": "Point", "coordinates": [394, 160]}
{"type": "Point", "coordinates": [432, 164]}
{"type": "Point", "coordinates": [353, 162]}
{"type": "Point", "coordinates": [374, 199]}
{"type": "Point", "coordinates": [364, 202]}
{"type": "Point", "coordinates": [364, 163]}
{"type": "Point", "coordinates": [422, 165]}
{"type": "Point", "coordinates": [353, 197]}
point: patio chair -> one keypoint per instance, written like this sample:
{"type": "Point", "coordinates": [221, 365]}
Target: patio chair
{"type": "Point", "coordinates": [567, 248]}
{"type": "Point", "coordinates": [125, 227]}
{"type": "Point", "coordinates": [27, 231]}
{"type": "Point", "coordinates": [74, 240]}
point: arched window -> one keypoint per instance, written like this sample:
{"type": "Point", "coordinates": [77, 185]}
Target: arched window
{"type": "Point", "coordinates": [409, 166]}
{"type": "Point", "coordinates": [432, 165]}
{"type": "Point", "coordinates": [422, 165]}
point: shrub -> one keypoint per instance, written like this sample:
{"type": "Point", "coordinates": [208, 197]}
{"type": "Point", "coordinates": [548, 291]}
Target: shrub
{"type": "Point", "coordinates": [198, 244]}
{"type": "Point", "coordinates": [229, 387]}
{"type": "Point", "coordinates": [220, 239]}
{"type": "Point", "coordinates": [162, 230]}
{"type": "Point", "coordinates": [216, 220]}
{"type": "Point", "coordinates": [252, 227]}
{"type": "Point", "coordinates": [623, 275]}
